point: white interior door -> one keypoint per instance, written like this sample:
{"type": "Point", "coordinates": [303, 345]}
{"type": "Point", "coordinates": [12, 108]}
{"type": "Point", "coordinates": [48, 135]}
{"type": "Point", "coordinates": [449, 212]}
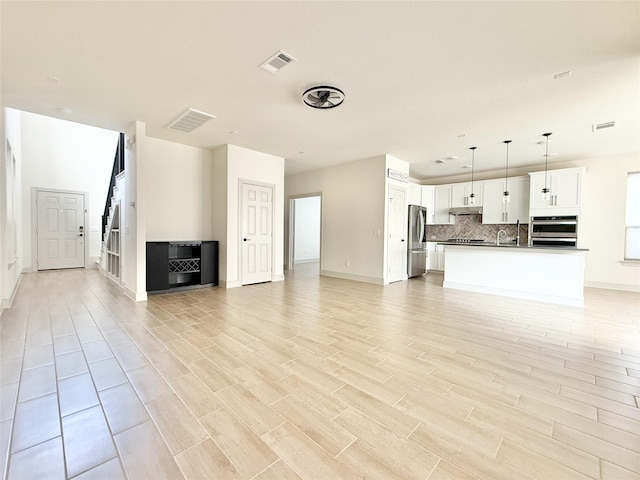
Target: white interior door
{"type": "Point", "coordinates": [397, 245]}
{"type": "Point", "coordinates": [60, 230]}
{"type": "Point", "coordinates": [257, 238]}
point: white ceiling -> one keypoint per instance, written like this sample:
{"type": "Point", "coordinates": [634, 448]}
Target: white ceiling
{"type": "Point", "coordinates": [417, 75]}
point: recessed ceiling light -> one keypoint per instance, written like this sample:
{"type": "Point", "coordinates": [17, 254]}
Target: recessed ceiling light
{"type": "Point", "coordinates": [453, 157]}
{"type": "Point", "coordinates": [542, 142]}
{"type": "Point", "coordinates": [439, 161]}
{"type": "Point", "coordinates": [552, 155]}
{"type": "Point", "coordinates": [301, 152]}
{"type": "Point", "coordinates": [53, 78]}
{"type": "Point", "coordinates": [66, 110]}
{"type": "Point", "coordinates": [562, 75]}
{"type": "Point", "coordinates": [467, 166]}
{"type": "Point", "coordinates": [233, 132]}
{"type": "Point", "coordinates": [462, 135]}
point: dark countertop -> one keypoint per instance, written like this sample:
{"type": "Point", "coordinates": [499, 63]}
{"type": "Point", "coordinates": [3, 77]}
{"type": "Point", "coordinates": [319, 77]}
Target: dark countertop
{"type": "Point", "coordinates": [512, 245]}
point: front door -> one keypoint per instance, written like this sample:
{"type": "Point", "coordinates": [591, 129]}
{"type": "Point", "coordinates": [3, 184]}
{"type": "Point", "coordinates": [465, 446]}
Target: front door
{"type": "Point", "coordinates": [257, 228]}
{"type": "Point", "coordinates": [60, 230]}
{"type": "Point", "coordinates": [397, 245]}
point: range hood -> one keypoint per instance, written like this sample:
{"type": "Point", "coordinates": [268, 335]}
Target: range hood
{"type": "Point", "coordinates": [470, 210]}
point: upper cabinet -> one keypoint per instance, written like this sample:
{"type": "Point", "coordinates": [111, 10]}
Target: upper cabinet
{"type": "Point", "coordinates": [495, 211]}
{"type": "Point", "coordinates": [415, 194]}
{"type": "Point", "coordinates": [442, 204]}
{"type": "Point", "coordinates": [460, 194]}
{"type": "Point", "coordinates": [565, 189]}
{"type": "Point", "coordinates": [428, 193]}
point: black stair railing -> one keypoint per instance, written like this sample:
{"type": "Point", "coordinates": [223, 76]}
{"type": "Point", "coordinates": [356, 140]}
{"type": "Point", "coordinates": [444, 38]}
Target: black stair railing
{"type": "Point", "coordinates": [118, 166]}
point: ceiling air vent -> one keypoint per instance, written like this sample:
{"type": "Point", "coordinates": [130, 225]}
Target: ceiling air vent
{"type": "Point", "coordinates": [189, 120]}
{"type": "Point", "coordinates": [601, 126]}
{"type": "Point", "coordinates": [277, 61]}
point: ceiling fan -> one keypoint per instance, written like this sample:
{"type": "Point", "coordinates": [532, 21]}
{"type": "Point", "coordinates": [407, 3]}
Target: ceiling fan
{"type": "Point", "coordinates": [323, 97]}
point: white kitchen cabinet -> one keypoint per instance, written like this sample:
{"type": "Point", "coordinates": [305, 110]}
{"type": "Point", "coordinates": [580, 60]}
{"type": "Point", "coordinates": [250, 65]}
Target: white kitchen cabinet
{"type": "Point", "coordinates": [415, 194]}
{"type": "Point", "coordinates": [460, 193]}
{"type": "Point", "coordinates": [442, 204]}
{"type": "Point", "coordinates": [565, 188]}
{"type": "Point", "coordinates": [495, 211]}
{"type": "Point", "coordinates": [431, 256]}
{"type": "Point", "coordinates": [439, 260]}
{"type": "Point", "coordinates": [428, 192]}
{"type": "Point", "coordinates": [435, 257]}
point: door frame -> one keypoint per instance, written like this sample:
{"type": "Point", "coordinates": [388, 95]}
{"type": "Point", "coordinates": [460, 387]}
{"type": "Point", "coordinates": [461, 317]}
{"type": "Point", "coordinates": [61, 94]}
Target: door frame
{"type": "Point", "coordinates": [241, 183]}
{"type": "Point", "coordinates": [292, 227]}
{"type": "Point", "coordinates": [34, 223]}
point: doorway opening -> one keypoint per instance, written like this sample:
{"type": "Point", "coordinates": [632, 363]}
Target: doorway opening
{"type": "Point", "coordinates": [305, 234]}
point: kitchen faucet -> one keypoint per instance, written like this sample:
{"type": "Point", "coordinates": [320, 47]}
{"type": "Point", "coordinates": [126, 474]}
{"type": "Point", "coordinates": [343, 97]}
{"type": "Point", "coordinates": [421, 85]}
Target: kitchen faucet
{"type": "Point", "coordinates": [498, 236]}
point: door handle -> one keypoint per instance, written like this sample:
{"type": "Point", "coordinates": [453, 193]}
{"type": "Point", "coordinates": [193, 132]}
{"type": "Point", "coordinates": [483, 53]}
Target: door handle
{"type": "Point", "coordinates": [245, 239]}
{"type": "Point", "coordinates": [402, 240]}
{"type": "Point", "coordinates": [80, 235]}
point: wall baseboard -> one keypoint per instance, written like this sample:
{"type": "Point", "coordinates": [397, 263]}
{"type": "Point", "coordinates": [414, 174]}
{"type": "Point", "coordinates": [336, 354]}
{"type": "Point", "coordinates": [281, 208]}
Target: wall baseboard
{"type": "Point", "coordinates": [135, 296]}
{"type": "Point", "coordinates": [306, 260]}
{"type": "Point", "coordinates": [613, 286]}
{"type": "Point", "coordinates": [349, 276]}
{"type": "Point", "coordinates": [7, 302]}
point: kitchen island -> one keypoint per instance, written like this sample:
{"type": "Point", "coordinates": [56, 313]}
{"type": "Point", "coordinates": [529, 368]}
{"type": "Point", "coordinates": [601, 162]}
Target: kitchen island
{"type": "Point", "coordinates": [546, 274]}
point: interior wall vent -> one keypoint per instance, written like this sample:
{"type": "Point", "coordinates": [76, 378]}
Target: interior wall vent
{"type": "Point", "coordinates": [189, 120]}
{"type": "Point", "coordinates": [600, 126]}
{"type": "Point", "coordinates": [277, 61]}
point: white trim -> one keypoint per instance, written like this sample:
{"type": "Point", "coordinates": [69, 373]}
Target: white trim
{"type": "Point", "coordinates": [630, 263]}
{"type": "Point", "coordinates": [613, 286]}
{"type": "Point", "coordinates": [291, 220]}
{"type": "Point", "coordinates": [7, 302]}
{"type": "Point", "coordinates": [356, 278]}
{"type": "Point", "coordinates": [307, 260]}
{"type": "Point", "coordinates": [136, 297]}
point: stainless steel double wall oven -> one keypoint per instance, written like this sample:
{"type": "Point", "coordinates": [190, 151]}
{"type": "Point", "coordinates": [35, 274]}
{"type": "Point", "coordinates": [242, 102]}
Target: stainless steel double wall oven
{"type": "Point", "coordinates": [555, 231]}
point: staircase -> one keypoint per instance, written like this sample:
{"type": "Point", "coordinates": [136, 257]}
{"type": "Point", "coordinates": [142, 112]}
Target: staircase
{"type": "Point", "coordinates": [110, 260]}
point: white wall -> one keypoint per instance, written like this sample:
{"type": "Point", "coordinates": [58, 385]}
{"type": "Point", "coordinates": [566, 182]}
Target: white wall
{"type": "Point", "coordinates": [238, 164]}
{"type": "Point", "coordinates": [602, 222]}
{"type": "Point", "coordinates": [62, 155]}
{"type": "Point", "coordinates": [353, 216]}
{"type": "Point", "coordinates": [11, 247]}
{"type": "Point", "coordinates": [219, 213]}
{"type": "Point", "coordinates": [178, 192]}
{"type": "Point", "coordinates": [307, 229]}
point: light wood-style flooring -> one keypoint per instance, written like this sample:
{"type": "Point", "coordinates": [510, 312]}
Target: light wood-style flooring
{"type": "Point", "coordinates": [316, 378]}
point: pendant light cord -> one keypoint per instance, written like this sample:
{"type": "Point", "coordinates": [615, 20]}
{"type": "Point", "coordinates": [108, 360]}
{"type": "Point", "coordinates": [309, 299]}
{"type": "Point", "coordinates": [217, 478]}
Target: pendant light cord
{"type": "Point", "coordinates": [546, 160]}
{"type": "Point", "coordinates": [473, 161]}
{"type": "Point", "coordinates": [506, 168]}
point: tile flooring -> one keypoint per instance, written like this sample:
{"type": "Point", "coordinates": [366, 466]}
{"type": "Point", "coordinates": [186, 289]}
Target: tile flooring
{"type": "Point", "coordinates": [316, 378]}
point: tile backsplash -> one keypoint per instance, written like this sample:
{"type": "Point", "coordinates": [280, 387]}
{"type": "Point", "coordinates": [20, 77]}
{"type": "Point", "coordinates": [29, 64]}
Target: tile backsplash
{"type": "Point", "coordinates": [471, 226]}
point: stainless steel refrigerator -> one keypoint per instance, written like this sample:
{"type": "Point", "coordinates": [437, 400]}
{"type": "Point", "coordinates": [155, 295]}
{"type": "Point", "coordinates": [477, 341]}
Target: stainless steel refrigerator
{"type": "Point", "coordinates": [417, 246]}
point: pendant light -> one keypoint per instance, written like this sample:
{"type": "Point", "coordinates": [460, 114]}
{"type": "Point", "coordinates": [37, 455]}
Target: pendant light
{"type": "Point", "coordinates": [505, 195]}
{"type": "Point", "coordinates": [472, 196]}
{"type": "Point", "coordinates": [545, 190]}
